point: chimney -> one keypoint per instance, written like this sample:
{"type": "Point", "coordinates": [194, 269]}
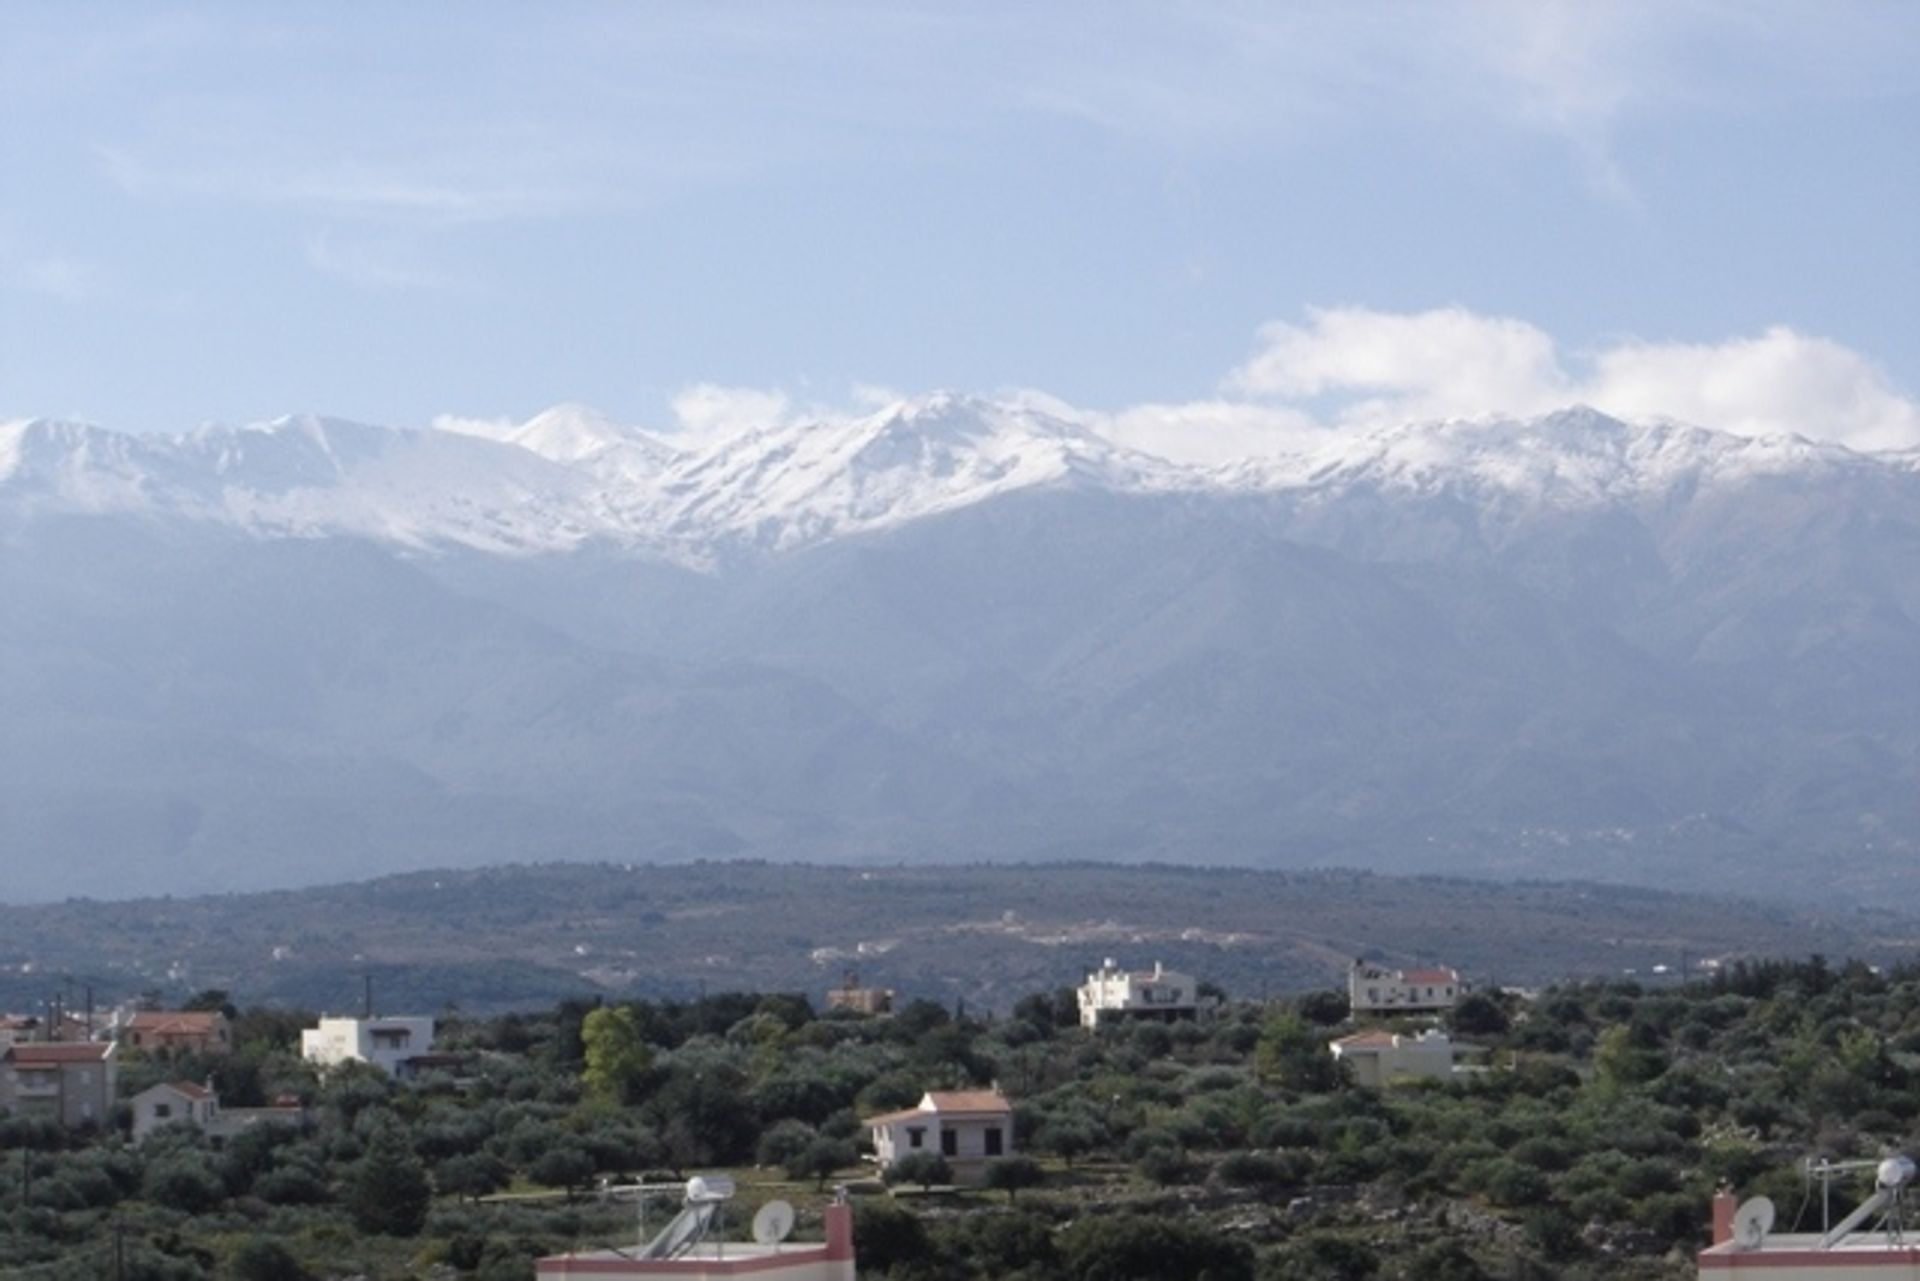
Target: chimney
{"type": "Point", "coordinates": [839, 1217]}
{"type": "Point", "coordinates": [1724, 1203]}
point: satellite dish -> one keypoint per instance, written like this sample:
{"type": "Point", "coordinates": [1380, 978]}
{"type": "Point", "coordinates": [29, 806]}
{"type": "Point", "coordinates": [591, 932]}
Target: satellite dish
{"type": "Point", "coordinates": [1894, 1171]}
{"type": "Point", "coordinates": [1752, 1221]}
{"type": "Point", "coordinates": [771, 1225]}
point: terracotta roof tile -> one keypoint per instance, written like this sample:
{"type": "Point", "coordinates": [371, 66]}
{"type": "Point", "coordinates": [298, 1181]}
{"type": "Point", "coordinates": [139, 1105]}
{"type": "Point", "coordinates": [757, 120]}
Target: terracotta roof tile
{"type": "Point", "coordinates": [969, 1101]}
{"type": "Point", "coordinates": [38, 1053]}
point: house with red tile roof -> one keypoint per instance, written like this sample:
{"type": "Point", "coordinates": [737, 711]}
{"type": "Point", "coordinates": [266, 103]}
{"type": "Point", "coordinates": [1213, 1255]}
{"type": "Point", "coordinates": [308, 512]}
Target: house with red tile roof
{"type": "Point", "coordinates": [1380, 1058]}
{"type": "Point", "coordinates": [164, 1033]}
{"type": "Point", "coordinates": [967, 1127]}
{"type": "Point", "coordinates": [1374, 989]}
{"type": "Point", "coordinates": [72, 1082]}
{"type": "Point", "coordinates": [198, 1107]}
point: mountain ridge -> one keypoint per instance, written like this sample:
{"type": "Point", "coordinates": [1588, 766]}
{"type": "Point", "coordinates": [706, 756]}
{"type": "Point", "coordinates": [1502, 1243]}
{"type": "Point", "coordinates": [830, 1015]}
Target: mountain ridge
{"type": "Point", "coordinates": [570, 476]}
{"type": "Point", "coordinates": [956, 628]}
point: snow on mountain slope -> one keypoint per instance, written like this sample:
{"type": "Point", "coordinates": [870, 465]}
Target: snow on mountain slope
{"type": "Point", "coordinates": [784, 487]}
{"type": "Point", "coordinates": [1575, 458]}
{"type": "Point", "coordinates": [571, 476]}
{"type": "Point", "coordinates": [579, 435]}
{"type": "Point", "coordinates": [310, 477]}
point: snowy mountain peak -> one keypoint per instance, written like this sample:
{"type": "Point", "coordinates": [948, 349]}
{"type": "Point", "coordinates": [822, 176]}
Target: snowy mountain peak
{"type": "Point", "coordinates": [571, 475]}
{"type": "Point", "coordinates": [1576, 457]}
{"type": "Point", "coordinates": [786, 486]}
{"type": "Point", "coordinates": [571, 433]}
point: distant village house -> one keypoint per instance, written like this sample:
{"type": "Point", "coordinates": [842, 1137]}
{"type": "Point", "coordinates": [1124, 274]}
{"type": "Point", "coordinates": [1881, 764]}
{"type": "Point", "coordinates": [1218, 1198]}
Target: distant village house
{"type": "Point", "coordinates": [1386, 1058]}
{"type": "Point", "coordinates": [861, 1000]}
{"type": "Point", "coordinates": [70, 1082]}
{"type": "Point", "coordinates": [399, 1046]}
{"type": "Point", "coordinates": [1112, 994]}
{"type": "Point", "coordinates": [967, 1127]}
{"type": "Point", "coordinates": [1374, 989]}
{"type": "Point", "coordinates": [165, 1033]}
{"type": "Point", "coordinates": [197, 1107]}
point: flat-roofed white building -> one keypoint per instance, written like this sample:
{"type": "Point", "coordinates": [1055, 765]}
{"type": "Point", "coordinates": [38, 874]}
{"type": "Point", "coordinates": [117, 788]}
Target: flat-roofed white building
{"type": "Point", "coordinates": [1112, 994]}
{"type": "Point", "coordinates": [828, 1260]}
{"type": "Point", "coordinates": [1383, 1058]}
{"type": "Point", "coordinates": [390, 1044]}
{"type": "Point", "coordinates": [1868, 1254]}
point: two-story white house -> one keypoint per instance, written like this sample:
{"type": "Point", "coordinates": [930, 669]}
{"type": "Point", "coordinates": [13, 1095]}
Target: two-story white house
{"type": "Point", "coordinates": [390, 1044]}
{"type": "Point", "coordinates": [1112, 994]}
{"type": "Point", "coordinates": [967, 1127]}
{"type": "Point", "coordinates": [1374, 989]}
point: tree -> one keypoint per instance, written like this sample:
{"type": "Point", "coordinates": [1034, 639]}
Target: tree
{"type": "Point", "coordinates": [184, 1181]}
{"type": "Point", "coordinates": [1325, 1007]}
{"type": "Point", "coordinates": [473, 1174]}
{"type": "Point", "coordinates": [213, 1000]}
{"type": "Point", "coordinates": [1292, 1054]}
{"type": "Point", "coordinates": [1011, 1173]}
{"type": "Point", "coordinates": [1478, 1014]}
{"type": "Point", "coordinates": [389, 1191]}
{"type": "Point", "coordinates": [924, 1168]}
{"type": "Point", "coordinates": [616, 1057]}
{"type": "Point", "coordinates": [820, 1158]}
{"type": "Point", "coordinates": [566, 1166]}
{"type": "Point", "coordinates": [888, 1234]}
{"type": "Point", "coordinates": [265, 1259]}
{"type": "Point", "coordinates": [1067, 1137]}
{"type": "Point", "coordinates": [1127, 1248]}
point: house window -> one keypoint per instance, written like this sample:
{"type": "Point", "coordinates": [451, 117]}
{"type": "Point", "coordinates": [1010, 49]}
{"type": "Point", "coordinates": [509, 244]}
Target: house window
{"type": "Point", "coordinates": [916, 1136]}
{"type": "Point", "coordinates": [390, 1038]}
{"type": "Point", "coordinates": [949, 1143]}
{"type": "Point", "coordinates": [161, 1111]}
{"type": "Point", "coordinates": [993, 1140]}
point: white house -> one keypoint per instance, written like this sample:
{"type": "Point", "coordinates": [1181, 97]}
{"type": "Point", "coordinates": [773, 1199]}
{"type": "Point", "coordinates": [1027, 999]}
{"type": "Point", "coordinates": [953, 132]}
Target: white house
{"type": "Point", "coordinates": [1374, 989]}
{"type": "Point", "coordinates": [967, 1127]}
{"type": "Point", "coordinates": [198, 1107]}
{"type": "Point", "coordinates": [1111, 993]}
{"type": "Point", "coordinates": [390, 1044]}
{"type": "Point", "coordinates": [1383, 1058]}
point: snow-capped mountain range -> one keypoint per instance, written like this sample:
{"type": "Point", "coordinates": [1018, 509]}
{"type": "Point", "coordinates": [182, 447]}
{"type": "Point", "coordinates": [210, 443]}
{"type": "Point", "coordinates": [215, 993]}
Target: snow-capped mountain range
{"type": "Point", "coordinates": [571, 476]}
{"type": "Point", "coordinates": [955, 628]}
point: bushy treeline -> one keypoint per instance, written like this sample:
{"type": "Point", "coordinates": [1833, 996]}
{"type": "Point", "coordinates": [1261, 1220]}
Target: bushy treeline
{"type": "Point", "coordinates": [1588, 1146]}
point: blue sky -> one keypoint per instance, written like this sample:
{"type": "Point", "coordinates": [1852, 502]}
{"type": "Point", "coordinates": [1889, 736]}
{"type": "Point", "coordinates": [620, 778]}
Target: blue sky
{"type": "Point", "coordinates": [1225, 221]}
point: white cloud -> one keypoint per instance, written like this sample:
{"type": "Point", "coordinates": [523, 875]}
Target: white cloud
{"type": "Point", "coordinates": [1354, 367]}
{"type": "Point", "coordinates": [706, 412]}
{"type": "Point", "coordinates": [1429, 364]}
{"type": "Point", "coordinates": [1780, 382]}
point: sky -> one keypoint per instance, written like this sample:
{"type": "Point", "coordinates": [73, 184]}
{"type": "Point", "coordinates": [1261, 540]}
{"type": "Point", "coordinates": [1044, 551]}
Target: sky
{"type": "Point", "coordinates": [1214, 229]}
